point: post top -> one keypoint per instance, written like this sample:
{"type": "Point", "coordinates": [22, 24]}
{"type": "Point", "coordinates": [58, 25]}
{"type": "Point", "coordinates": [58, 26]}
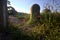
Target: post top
{"type": "Point", "coordinates": [35, 7]}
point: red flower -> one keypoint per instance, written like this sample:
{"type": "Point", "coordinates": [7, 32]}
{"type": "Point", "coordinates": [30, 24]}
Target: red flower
{"type": "Point", "coordinates": [38, 17]}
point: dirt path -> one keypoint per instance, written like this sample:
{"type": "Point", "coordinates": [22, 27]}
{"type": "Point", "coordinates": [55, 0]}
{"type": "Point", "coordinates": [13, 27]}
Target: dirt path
{"type": "Point", "coordinates": [15, 20]}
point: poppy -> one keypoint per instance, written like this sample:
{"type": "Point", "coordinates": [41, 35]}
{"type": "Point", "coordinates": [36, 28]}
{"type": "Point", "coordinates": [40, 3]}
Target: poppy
{"type": "Point", "coordinates": [38, 17]}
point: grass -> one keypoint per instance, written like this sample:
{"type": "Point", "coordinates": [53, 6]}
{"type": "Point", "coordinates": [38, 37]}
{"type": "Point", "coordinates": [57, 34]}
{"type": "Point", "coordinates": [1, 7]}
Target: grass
{"type": "Point", "coordinates": [48, 30]}
{"type": "Point", "coordinates": [43, 32]}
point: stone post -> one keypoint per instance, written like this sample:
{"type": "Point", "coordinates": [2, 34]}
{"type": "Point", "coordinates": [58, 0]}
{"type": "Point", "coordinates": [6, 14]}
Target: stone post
{"type": "Point", "coordinates": [35, 13]}
{"type": "Point", "coordinates": [3, 13]}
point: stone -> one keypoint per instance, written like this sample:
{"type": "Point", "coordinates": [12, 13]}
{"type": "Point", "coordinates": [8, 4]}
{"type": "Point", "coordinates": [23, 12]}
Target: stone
{"type": "Point", "coordinates": [35, 13]}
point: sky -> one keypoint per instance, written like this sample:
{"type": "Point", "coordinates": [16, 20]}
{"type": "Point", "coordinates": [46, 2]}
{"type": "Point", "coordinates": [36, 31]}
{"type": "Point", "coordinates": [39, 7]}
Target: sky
{"type": "Point", "coordinates": [25, 5]}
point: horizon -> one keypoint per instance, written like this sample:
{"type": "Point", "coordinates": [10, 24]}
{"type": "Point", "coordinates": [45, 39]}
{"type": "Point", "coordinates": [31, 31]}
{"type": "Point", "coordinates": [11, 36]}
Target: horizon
{"type": "Point", "coordinates": [24, 5]}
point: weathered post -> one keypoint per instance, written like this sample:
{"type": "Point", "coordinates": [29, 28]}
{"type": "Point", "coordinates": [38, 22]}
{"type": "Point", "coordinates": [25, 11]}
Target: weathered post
{"type": "Point", "coordinates": [35, 13]}
{"type": "Point", "coordinates": [3, 13]}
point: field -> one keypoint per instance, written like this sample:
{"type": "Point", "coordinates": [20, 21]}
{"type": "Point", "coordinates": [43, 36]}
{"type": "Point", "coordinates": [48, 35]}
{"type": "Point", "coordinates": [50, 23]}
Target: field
{"type": "Point", "coordinates": [47, 29]}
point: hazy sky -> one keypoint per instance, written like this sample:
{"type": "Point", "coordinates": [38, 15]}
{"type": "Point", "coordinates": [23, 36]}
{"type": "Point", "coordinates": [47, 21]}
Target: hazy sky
{"type": "Point", "coordinates": [25, 5]}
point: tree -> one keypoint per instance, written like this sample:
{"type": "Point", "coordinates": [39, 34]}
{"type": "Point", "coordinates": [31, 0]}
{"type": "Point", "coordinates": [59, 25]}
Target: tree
{"type": "Point", "coordinates": [8, 2]}
{"type": "Point", "coordinates": [11, 11]}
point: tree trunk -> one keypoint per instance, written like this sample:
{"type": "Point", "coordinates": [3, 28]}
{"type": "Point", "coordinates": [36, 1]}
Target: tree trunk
{"type": "Point", "coordinates": [3, 13]}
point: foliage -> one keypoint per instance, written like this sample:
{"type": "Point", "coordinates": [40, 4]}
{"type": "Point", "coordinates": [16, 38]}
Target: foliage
{"type": "Point", "coordinates": [20, 15]}
{"type": "Point", "coordinates": [47, 29]}
{"type": "Point", "coordinates": [49, 26]}
{"type": "Point", "coordinates": [11, 11]}
{"type": "Point", "coordinates": [8, 2]}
